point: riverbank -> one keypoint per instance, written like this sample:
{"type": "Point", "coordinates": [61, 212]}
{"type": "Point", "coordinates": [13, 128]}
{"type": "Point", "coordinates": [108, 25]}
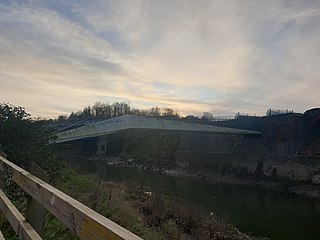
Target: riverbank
{"type": "Point", "coordinates": [254, 210]}
{"type": "Point", "coordinates": [146, 212]}
{"type": "Point", "coordinates": [136, 207]}
{"type": "Point", "coordinates": [282, 185]}
{"type": "Point", "coordinates": [215, 158]}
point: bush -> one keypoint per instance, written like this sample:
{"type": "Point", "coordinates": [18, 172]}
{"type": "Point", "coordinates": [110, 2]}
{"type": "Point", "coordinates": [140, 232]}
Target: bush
{"type": "Point", "coordinates": [24, 139]}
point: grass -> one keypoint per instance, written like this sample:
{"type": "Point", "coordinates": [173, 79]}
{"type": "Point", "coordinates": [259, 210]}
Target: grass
{"type": "Point", "coordinates": [145, 213]}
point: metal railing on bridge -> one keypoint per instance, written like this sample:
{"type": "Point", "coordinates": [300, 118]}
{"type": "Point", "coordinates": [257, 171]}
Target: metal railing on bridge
{"type": "Point", "coordinates": [80, 219]}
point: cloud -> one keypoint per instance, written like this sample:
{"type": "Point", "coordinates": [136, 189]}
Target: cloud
{"type": "Point", "coordinates": [194, 56]}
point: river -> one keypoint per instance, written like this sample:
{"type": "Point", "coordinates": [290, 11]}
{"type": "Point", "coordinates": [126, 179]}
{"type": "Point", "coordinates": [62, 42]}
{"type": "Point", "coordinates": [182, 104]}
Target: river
{"type": "Point", "coordinates": [264, 213]}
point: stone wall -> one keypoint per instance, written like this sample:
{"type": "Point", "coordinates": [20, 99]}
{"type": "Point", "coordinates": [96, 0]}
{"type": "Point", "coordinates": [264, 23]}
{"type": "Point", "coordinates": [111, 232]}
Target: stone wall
{"type": "Point", "coordinates": [284, 135]}
{"type": "Point", "coordinates": [283, 151]}
{"type": "Point", "coordinates": [220, 153]}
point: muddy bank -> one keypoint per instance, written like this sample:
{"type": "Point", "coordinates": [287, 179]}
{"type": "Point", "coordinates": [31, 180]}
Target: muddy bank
{"type": "Point", "coordinates": [231, 159]}
{"type": "Point", "coordinates": [282, 185]}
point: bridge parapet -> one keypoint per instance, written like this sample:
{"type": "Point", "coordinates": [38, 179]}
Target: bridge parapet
{"type": "Point", "coordinates": [136, 122]}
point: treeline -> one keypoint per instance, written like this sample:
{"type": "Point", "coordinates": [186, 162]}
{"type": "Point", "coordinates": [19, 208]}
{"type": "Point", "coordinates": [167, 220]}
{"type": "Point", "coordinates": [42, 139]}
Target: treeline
{"type": "Point", "coordinates": [24, 139]}
{"type": "Point", "coordinates": [116, 109]}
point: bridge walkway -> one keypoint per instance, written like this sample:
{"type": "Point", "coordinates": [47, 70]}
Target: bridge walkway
{"type": "Point", "coordinates": [127, 122]}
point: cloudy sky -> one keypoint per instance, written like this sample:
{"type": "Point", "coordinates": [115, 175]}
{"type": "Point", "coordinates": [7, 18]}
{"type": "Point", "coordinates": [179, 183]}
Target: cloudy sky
{"type": "Point", "coordinates": [194, 56]}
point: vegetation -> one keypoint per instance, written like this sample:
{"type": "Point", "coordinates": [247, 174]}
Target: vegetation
{"type": "Point", "coordinates": [116, 109]}
{"type": "Point", "coordinates": [142, 211]}
{"type": "Point", "coordinates": [24, 139]}
{"type": "Point", "coordinates": [137, 208]}
{"type": "Point", "coordinates": [134, 206]}
{"type": "Point", "coordinates": [151, 150]}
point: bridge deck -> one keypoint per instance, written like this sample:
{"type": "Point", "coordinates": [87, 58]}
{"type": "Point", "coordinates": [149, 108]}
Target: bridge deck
{"type": "Point", "coordinates": [135, 122]}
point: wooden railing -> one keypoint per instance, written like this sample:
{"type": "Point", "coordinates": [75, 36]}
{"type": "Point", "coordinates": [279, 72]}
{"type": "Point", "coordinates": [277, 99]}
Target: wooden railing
{"type": "Point", "coordinates": [81, 220]}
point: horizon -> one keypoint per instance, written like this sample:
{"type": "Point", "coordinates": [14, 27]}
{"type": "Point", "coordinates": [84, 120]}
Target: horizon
{"type": "Point", "coordinates": [194, 57]}
{"type": "Point", "coordinates": [225, 117]}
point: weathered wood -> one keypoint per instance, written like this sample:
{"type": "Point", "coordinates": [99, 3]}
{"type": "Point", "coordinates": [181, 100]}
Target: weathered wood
{"type": "Point", "coordinates": [36, 214]}
{"type": "Point", "coordinates": [1, 236]}
{"type": "Point", "coordinates": [22, 228]}
{"type": "Point", "coordinates": [3, 154]}
{"type": "Point", "coordinates": [2, 184]}
{"type": "Point", "coordinates": [83, 221]}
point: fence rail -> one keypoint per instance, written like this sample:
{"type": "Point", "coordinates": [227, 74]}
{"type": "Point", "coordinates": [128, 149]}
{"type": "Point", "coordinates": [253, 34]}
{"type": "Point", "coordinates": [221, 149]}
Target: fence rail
{"type": "Point", "coordinates": [80, 219]}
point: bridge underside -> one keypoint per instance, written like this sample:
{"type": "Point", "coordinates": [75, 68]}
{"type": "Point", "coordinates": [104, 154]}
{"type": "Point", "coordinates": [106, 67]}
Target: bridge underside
{"type": "Point", "coordinates": [128, 122]}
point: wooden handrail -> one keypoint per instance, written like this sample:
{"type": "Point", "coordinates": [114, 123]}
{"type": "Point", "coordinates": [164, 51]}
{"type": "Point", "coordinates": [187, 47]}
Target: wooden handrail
{"type": "Point", "coordinates": [80, 219]}
{"type": "Point", "coordinates": [22, 228]}
{"type": "Point", "coordinates": [1, 236]}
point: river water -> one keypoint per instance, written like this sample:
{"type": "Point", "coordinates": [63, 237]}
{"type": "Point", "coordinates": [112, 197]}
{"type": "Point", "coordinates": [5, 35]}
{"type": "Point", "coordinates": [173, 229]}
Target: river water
{"type": "Point", "coordinates": [262, 212]}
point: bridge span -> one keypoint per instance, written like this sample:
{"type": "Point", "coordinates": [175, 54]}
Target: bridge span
{"type": "Point", "coordinates": [127, 122]}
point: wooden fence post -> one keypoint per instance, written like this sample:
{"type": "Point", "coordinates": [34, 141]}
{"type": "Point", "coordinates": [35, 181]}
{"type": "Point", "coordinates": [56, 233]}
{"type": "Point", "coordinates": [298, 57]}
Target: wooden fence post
{"type": "Point", "coordinates": [2, 154]}
{"type": "Point", "coordinates": [36, 214]}
{"type": "Point", "coordinates": [80, 219]}
{"type": "Point", "coordinates": [2, 183]}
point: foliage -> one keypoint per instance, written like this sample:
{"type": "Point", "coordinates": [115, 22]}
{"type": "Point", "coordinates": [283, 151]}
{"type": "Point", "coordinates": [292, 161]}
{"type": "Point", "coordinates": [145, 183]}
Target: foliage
{"type": "Point", "coordinates": [24, 139]}
{"type": "Point", "coordinates": [7, 230]}
{"type": "Point", "coordinates": [207, 116]}
{"type": "Point", "coordinates": [144, 212]}
{"type": "Point", "coordinates": [116, 109]}
{"type": "Point", "coordinates": [137, 208]}
{"type": "Point", "coordinates": [101, 110]}
{"type": "Point", "coordinates": [57, 230]}
{"type": "Point", "coordinates": [147, 148]}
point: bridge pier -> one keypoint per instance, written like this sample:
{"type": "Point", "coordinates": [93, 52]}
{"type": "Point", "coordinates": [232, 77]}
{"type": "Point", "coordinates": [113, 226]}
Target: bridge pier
{"type": "Point", "coordinates": [88, 146]}
{"type": "Point", "coordinates": [102, 142]}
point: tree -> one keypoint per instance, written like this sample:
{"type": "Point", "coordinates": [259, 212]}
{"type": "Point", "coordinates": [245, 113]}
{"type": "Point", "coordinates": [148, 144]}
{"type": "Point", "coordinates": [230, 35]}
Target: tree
{"type": "Point", "coordinates": [24, 139]}
{"type": "Point", "coordinates": [116, 109]}
{"type": "Point", "coordinates": [154, 112]}
{"type": "Point", "coordinates": [170, 113]}
{"type": "Point", "coordinates": [62, 118]}
{"type": "Point", "coordinates": [125, 108]}
{"type": "Point", "coordinates": [87, 112]}
{"type": "Point", "coordinates": [207, 116]}
{"type": "Point", "coordinates": [98, 109]}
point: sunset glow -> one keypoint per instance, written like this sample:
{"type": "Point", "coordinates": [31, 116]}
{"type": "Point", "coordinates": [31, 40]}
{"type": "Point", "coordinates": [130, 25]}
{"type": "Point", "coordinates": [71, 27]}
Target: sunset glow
{"type": "Point", "coordinates": [194, 56]}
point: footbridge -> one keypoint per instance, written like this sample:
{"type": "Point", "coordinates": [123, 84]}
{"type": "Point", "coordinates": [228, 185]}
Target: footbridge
{"type": "Point", "coordinates": [127, 122]}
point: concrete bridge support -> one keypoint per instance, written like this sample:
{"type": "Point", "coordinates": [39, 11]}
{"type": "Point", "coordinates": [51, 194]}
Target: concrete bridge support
{"type": "Point", "coordinates": [102, 142]}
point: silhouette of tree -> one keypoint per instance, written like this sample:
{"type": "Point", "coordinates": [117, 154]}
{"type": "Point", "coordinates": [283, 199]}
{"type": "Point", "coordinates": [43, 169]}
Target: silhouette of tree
{"type": "Point", "coordinates": [22, 138]}
{"type": "Point", "coordinates": [207, 116]}
{"type": "Point", "coordinates": [116, 109]}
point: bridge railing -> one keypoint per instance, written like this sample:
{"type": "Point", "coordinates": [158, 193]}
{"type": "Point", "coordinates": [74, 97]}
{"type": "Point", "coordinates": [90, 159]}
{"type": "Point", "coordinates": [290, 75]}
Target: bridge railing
{"type": "Point", "coordinates": [80, 219]}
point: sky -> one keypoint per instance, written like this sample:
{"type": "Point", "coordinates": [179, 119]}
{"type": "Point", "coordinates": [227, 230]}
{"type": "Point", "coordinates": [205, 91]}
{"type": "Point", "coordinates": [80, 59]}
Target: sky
{"type": "Point", "coordinates": [213, 56]}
